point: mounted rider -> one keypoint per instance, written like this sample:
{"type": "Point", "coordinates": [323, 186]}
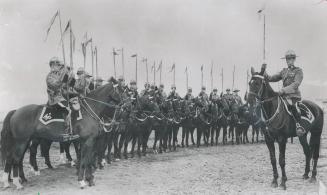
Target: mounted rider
{"type": "Point", "coordinates": [203, 96]}
{"type": "Point", "coordinates": [82, 82]}
{"type": "Point", "coordinates": [237, 99]}
{"type": "Point", "coordinates": [189, 97]}
{"type": "Point", "coordinates": [228, 96]}
{"type": "Point", "coordinates": [58, 77]}
{"type": "Point", "coordinates": [292, 77]}
{"type": "Point", "coordinates": [161, 94]}
{"type": "Point", "coordinates": [98, 82]}
{"type": "Point", "coordinates": [173, 95]}
{"type": "Point", "coordinates": [146, 89]}
{"type": "Point", "coordinates": [133, 94]}
{"type": "Point", "coordinates": [214, 97]}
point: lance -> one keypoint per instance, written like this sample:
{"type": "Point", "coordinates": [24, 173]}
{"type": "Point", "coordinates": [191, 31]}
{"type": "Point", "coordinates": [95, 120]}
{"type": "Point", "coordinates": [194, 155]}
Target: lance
{"type": "Point", "coordinates": [211, 76]}
{"type": "Point", "coordinates": [122, 61]}
{"type": "Point", "coordinates": [154, 73]}
{"type": "Point", "coordinates": [114, 56]}
{"type": "Point", "coordinates": [247, 80]}
{"type": "Point", "coordinates": [135, 56]}
{"type": "Point", "coordinates": [222, 79]}
{"type": "Point", "coordinates": [186, 72]}
{"type": "Point", "coordinates": [92, 58]}
{"type": "Point", "coordinates": [96, 63]}
{"type": "Point", "coordinates": [84, 50]}
{"type": "Point", "coordinates": [233, 77]}
{"type": "Point", "coordinates": [62, 39]}
{"type": "Point", "coordinates": [174, 74]}
{"type": "Point", "coordinates": [160, 71]}
{"type": "Point", "coordinates": [264, 37]}
{"type": "Point", "coordinates": [146, 66]}
{"type": "Point", "coordinates": [201, 75]}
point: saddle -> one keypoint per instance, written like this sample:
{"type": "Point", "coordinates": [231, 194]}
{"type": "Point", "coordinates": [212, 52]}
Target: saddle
{"type": "Point", "coordinates": [58, 113]}
{"type": "Point", "coordinates": [305, 112]}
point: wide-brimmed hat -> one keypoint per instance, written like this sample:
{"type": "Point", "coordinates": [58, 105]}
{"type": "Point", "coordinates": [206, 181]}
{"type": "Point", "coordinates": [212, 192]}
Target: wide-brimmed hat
{"type": "Point", "coordinates": [132, 82]}
{"type": "Point", "coordinates": [173, 86]}
{"type": "Point", "coordinates": [80, 70]}
{"type": "Point", "coordinates": [99, 79]}
{"type": "Point", "coordinates": [289, 54]}
{"type": "Point", "coordinates": [236, 90]}
{"type": "Point", "coordinates": [227, 89]}
{"type": "Point", "coordinates": [215, 89]}
{"type": "Point", "coordinates": [87, 74]}
{"type": "Point", "coordinates": [203, 88]}
{"type": "Point", "coordinates": [54, 60]}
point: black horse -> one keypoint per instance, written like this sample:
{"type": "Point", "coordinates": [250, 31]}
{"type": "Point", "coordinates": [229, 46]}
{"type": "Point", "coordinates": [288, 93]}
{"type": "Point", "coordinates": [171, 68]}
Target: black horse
{"type": "Point", "coordinates": [188, 126]}
{"type": "Point", "coordinates": [281, 125]}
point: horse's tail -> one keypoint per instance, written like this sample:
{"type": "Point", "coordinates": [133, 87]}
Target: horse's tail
{"type": "Point", "coordinates": [316, 128]}
{"type": "Point", "coordinates": [6, 137]}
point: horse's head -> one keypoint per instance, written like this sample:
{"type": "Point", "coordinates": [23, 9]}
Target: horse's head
{"type": "Point", "coordinates": [114, 93]}
{"type": "Point", "coordinates": [257, 85]}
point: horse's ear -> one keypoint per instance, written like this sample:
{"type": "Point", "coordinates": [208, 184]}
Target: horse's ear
{"type": "Point", "coordinates": [113, 80]}
{"type": "Point", "coordinates": [252, 71]}
{"type": "Point", "coordinates": [263, 68]}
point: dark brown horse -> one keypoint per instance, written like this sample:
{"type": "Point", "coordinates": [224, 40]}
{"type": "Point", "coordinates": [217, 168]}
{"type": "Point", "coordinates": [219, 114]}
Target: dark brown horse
{"type": "Point", "coordinates": [281, 126]}
{"type": "Point", "coordinates": [24, 124]}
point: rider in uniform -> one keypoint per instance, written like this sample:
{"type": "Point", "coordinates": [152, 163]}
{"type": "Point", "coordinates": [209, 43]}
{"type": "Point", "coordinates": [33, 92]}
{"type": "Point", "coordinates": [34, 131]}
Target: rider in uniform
{"type": "Point", "coordinates": [82, 82]}
{"type": "Point", "coordinates": [98, 82]}
{"type": "Point", "coordinates": [146, 89]}
{"type": "Point", "coordinates": [237, 98]}
{"type": "Point", "coordinates": [228, 96]}
{"type": "Point", "coordinates": [203, 95]}
{"type": "Point", "coordinates": [292, 77]}
{"type": "Point", "coordinates": [189, 96]}
{"type": "Point", "coordinates": [173, 94]}
{"type": "Point", "coordinates": [214, 97]}
{"type": "Point", "coordinates": [58, 77]}
{"type": "Point", "coordinates": [133, 92]}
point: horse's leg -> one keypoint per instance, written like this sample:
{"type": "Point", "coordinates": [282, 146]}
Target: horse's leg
{"type": "Point", "coordinates": [127, 139]}
{"type": "Point", "coordinates": [6, 173]}
{"type": "Point", "coordinates": [33, 152]}
{"type": "Point", "coordinates": [315, 148]}
{"type": "Point", "coordinates": [192, 135]}
{"type": "Point", "coordinates": [217, 134]}
{"type": "Point", "coordinates": [67, 151]}
{"type": "Point", "coordinates": [187, 135]}
{"type": "Point", "coordinates": [110, 143]}
{"type": "Point", "coordinates": [282, 148]}
{"type": "Point", "coordinates": [45, 149]}
{"type": "Point", "coordinates": [62, 150]}
{"type": "Point", "coordinates": [307, 153]}
{"type": "Point", "coordinates": [212, 134]}
{"type": "Point", "coordinates": [175, 132]}
{"type": "Point", "coordinates": [156, 137]}
{"type": "Point", "coordinates": [183, 135]}
{"type": "Point", "coordinates": [271, 148]}
{"type": "Point", "coordinates": [18, 155]}
{"type": "Point", "coordinates": [87, 160]}
{"type": "Point", "coordinates": [198, 136]}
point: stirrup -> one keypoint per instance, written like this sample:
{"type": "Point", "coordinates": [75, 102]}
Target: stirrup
{"type": "Point", "coordinates": [300, 131]}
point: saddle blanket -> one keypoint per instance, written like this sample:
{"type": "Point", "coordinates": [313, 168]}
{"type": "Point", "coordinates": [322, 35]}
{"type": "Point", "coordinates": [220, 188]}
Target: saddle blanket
{"type": "Point", "coordinates": [306, 113]}
{"type": "Point", "coordinates": [50, 114]}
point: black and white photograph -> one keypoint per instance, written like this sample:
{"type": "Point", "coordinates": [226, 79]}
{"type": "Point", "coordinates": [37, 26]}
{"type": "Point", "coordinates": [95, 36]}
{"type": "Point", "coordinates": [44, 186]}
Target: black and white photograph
{"type": "Point", "coordinates": [163, 97]}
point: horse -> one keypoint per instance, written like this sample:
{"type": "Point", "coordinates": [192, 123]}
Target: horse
{"type": "Point", "coordinates": [281, 125]}
{"type": "Point", "coordinates": [258, 126]}
{"type": "Point", "coordinates": [188, 126]}
{"type": "Point", "coordinates": [24, 124]}
{"type": "Point", "coordinates": [243, 125]}
{"type": "Point", "coordinates": [202, 121]}
{"type": "Point", "coordinates": [215, 115]}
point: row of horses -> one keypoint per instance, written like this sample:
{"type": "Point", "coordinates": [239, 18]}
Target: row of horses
{"type": "Point", "coordinates": [110, 120]}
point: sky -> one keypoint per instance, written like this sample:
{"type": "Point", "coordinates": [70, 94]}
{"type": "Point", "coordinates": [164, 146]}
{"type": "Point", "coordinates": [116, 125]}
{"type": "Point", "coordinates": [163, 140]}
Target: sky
{"type": "Point", "coordinates": [188, 33]}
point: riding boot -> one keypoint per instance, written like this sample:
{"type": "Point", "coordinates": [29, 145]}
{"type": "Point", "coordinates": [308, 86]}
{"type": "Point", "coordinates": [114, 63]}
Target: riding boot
{"type": "Point", "coordinates": [300, 131]}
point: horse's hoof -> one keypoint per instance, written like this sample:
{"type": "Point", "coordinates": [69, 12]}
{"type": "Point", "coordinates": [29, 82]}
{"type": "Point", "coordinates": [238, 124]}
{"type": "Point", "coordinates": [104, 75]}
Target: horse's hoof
{"type": "Point", "coordinates": [82, 184]}
{"type": "Point", "coordinates": [24, 180]}
{"type": "Point", "coordinates": [282, 186]}
{"type": "Point", "coordinates": [17, 183]}
{"type": "Point", "coordinates": [37, 173]}
{"type": "Point", "coordinates": [49, 166]}
{"type": "Point", "coordinates": [91, 183]}
{"type": "Point", "coordinates": [6, 185]}
{"type": "Point", "coordinates": [313, 180]}
{"type": "Point", "coordinates": [274, 184]}
{"type": "Point", "coordinates": [305, 176]}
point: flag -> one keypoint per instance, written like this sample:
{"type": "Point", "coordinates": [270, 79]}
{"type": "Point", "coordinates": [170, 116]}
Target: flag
{"type": "Point", "coordinates": [144, 59]}
{"type": "Point", "coordinates": [185, 69]}
{"type": "Point", "coordinates": [211, 71]}
{"type": "Point", "coordinates": [160, 65]}
{"type": "Point", "coordinates": [74, 41]}
{"type": "Point", "coordinates": [202, 68]}
{"type": "Point", "coordinates": [114, 52]}
{"type": "Point", "coordinates": [153, 67]}
{"type": "Point", "coordinates": [261, 11]}
{"type": "Point", "coordinates": [68, 26]}
{"type": "Point", "coordinates": [83, 49]}
{"type": "Point", "coordinates": [87, 42]}
{"type": "Point", "coordinates": [51, 23]}
{"type": "Point", "coordinates": [172, 68]}
{"type": "Point", "coordinates": [133, 56]}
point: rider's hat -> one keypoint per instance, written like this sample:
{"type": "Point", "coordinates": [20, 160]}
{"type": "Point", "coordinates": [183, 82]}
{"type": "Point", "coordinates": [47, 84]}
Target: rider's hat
{"type": "Point", "coordinates": [99, 79]}
{"type": "Point", "coordinates": [236, 90]}
{"type": "Point", "coordinates": [152, 86]}
{"type": "Point", "coordinates": [87, 74]}
{"type": "Point", "coordinates": [121, 78]}
{"type": "Point", "coordinates": [146, 84]}
{"type": "Point", "coordinates": [227, 89]}
{"type": "Point", "coordinates": [203, 88]}
{"type": "Point", "coordinates": [215, 89]}
{"type": "Point", "coordinates": [161, 85]}
{"type": "Point", "coordinates": [189, 89]}
{"type": "Point", "coordinates": [54, 60]}
{"type": "Point", "coordinates": [80, 71]}
{"type": "Point", "coordinates": [289, 54]}
{"type": "Point", "coordinates": [132, 82]}
{"type": "Point", "coordinates": [173, 86]}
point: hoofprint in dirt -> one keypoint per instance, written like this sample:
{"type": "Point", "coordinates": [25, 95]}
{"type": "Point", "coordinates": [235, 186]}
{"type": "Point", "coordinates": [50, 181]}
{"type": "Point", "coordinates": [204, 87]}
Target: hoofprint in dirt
{"type": "Point", "coordinates": [229, 169]}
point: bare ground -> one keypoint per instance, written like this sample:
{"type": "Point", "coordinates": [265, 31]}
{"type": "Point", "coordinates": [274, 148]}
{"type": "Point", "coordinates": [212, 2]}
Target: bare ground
{"type": "Point", "coordinates": [230, 169]}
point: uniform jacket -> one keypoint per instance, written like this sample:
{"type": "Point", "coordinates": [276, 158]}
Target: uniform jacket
{"type": "Point", "coordinates": [82, 86]}
{"type": "Point", "coordinates": [292, 78]}
{"type": "Point", "coordinates": [55, 82]}
{"type": "Point", "coordinates": [213, 97]}
{"type": "Point", "coordinates": [174, 95]}
{"type": "Point", "coordinates": [238, 100]}
{"type": "Point", "coordinates": [189, 97]}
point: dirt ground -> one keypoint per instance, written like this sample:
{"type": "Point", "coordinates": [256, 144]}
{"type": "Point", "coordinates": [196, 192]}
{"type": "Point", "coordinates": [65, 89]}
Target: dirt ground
{"type": "Point", "coordinates": [230, 169]}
